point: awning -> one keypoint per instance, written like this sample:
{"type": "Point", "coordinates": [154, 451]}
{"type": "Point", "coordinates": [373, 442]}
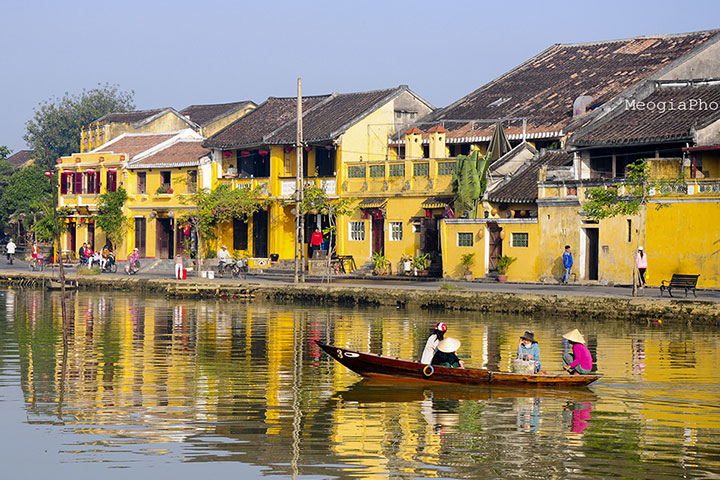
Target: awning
{"type": "Point", "coordinates": [375, 202]}
{"type": "Point", "coordinates": [437, 202]}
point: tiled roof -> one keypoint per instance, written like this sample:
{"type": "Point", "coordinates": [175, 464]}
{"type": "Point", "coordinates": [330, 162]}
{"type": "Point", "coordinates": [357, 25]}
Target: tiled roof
{"type": "Point", "coordinates": [128, 117]}
{"type": "Point", "coordinates": [671, 112]}
{"type": "Point", "coordinates": [205, 114]}
{"type": "Point", "coordinates": [523, 186]}
{"type": "Point", "coordinates": [544, 88]}
{"type": "Point", "coordinates": [132, 144]}
{"type": "Point", "coordinates": [184, 153]}
{"type": "Point", "coordinates": [332, 117]}
{"type": "Point", "coordinates": [21, 157]}
{"type": "Point", "coordinates": [251, 129]}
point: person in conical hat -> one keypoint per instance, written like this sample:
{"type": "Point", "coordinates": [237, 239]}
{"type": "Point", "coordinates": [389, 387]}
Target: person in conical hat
{"type": "Point", "coordinates": [432, 342]}
{"type": "Point", "coordinates": [580, 360]}
{"type": "Point", "coordinates": [446, 356]}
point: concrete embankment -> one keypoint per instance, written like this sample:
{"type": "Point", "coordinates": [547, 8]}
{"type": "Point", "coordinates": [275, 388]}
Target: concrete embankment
{"type": "Point", "coordinates": [641, 309]}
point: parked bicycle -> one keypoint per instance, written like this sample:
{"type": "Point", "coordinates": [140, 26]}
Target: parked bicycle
{"type": "Point", "coordinates": [239, 268]}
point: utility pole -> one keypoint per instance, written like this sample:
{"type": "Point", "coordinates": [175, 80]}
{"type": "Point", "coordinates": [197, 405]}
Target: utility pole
{"type": "Point", "coordinates": [299, 218]}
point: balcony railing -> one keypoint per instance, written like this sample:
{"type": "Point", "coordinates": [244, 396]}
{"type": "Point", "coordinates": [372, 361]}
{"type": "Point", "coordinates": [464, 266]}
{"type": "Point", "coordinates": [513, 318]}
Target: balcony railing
{"type": "Point", "coordinates": [288, 185]}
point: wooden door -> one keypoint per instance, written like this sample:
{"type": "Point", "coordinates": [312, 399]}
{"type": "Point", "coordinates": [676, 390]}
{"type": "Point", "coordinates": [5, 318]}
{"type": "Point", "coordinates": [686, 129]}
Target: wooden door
{"type": "Point", "coordinates": [260, 234]}
{"type": "Point", "coordinates": [495, 245]}
{"type": "Point", "coordinates": [164, 238]}
{"type": "Point", "coordinates": [140, 235]}
{"type": "Point", "coordinates": [378, 235]}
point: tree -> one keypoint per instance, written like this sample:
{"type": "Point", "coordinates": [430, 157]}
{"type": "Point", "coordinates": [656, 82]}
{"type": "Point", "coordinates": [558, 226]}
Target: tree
{"type": "Point", "coordinates": [219, 206]}
{"type": "Point", "coordinates": [629, 198]}
{"type": "Point", "coordinates": [110, 218]}
{"type": "Point", "coordinates": [316, 201]}
{"type": "Point", "coordinates": [44, 228]}
{"type": "Point", "coordinates": [470, 181]}
{"type": "Point", "coordinates": [24, 188]}
{"type": "Point", "coordinates": [4, 152]}
{"type": "Point", "coordinates": [54, 130]}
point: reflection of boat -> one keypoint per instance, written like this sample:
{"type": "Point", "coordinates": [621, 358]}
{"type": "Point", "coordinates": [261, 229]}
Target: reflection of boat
{"type": "Point", "coordinates": [370, 365]}
{"type": "Point", "coordinates": [51, 284]}
{"type": "Point", "coordinates": [375, 390]}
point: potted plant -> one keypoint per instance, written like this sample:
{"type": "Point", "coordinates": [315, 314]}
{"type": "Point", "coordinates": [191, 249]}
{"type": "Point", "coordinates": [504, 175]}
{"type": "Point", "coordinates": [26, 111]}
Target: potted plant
{"type": "Point", "coordinates": [502, 265]}
{"type": "Point", "coordinates": [421, 264]}
{"type": "Point", "coordinates": [379, 263]}
{"type": "Point", "coordinates": [406, 263]}
{"type": "Point", "coordinates": [164, 189]}
{"type": "Point", "coordinates": [467, 260]}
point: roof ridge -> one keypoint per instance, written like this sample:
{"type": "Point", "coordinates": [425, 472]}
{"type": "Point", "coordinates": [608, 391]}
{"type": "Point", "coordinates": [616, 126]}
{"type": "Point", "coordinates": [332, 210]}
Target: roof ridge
{"type": "Point", "coordinates": [713, 31]}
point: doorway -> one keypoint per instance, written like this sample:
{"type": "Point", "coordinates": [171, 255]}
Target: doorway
{"type": "Point", "coordinates": [260, 234]}
{"type": "Point", "coordinates": [378, 233]}
{"type": "Point", "coordinates": [495, 245]}
{"type": "Point", "coordinates": [164, 241]}
{"type": "Point", "coordinates": [140, 235]}
{"type": "Point", "coordinates": [591, 249]}
{"type": "Point", "coordinates": [72, 237]}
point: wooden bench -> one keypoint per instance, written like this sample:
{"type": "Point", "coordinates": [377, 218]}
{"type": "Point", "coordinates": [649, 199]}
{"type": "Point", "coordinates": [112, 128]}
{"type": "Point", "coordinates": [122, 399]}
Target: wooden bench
{"type": "Point", "coordinates": [687, 282]}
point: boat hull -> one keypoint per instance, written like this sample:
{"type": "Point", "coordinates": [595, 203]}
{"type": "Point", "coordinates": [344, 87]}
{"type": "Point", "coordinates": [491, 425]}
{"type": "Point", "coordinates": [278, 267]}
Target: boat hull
{"type": "Point", "coordinates": [378, 366]}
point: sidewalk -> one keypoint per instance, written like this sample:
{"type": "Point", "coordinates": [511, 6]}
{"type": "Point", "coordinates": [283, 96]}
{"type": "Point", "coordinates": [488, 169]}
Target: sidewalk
{"type": "Point", "coordinates": [575, 290]}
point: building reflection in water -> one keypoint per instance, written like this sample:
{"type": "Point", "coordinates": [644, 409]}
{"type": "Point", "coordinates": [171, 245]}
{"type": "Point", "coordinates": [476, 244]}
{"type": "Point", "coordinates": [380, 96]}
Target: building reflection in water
{"type": "Point", "coordinates": [147, 370]}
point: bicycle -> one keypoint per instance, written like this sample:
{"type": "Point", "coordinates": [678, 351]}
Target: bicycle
{"type": "Point", "coordinates": [37, 264]}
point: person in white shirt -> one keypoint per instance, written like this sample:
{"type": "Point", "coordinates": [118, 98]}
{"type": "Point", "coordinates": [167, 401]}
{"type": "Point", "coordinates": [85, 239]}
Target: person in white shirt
{"type": "Point", "coordinates": [223, 258]}
{"type": "Point", "coordinates": [432, 343]}
{"type": "Point", "coordinates": [10, 247]}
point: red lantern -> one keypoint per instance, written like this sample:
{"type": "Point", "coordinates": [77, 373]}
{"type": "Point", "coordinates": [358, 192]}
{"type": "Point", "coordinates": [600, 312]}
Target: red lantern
{"type": "Point", "coordinates": [227, 154]}
{"type": "Point", "coordinates": [428, 214]}
{"type": "Point", "coordinates": [186, 230]}
{"type": "Point", "coordinates": [308, 148]}
{"type": "Point", "coordinates": [263, 152]}
{"type": "Point", "coordinates": [90, 170]}
{"type": "Point", "coordinates": [112, 169]}
{"type": "Point", "coordinates": [244, 153]}
{"type": "Point", "coordinates": [49, 173]}
{"type": "Point", "coordinates": [289, 149]}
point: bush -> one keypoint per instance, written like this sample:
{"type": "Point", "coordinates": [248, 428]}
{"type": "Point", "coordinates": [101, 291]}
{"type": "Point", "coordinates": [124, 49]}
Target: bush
{"type": "Point", "coordinates": [89, 271]}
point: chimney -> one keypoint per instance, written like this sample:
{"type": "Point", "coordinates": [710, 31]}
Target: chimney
{"type": "Point", "coordinates": [437, 142]}
{"type": "Point", "coordinates": [413, 143]}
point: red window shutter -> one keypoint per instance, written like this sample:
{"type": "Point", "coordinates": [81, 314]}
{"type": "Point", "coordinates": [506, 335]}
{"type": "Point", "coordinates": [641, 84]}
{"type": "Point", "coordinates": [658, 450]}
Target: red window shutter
{"type": "Point", "coordinates": [77, 188]}
{"type": "Point", "coordinates": [112, 181]}
{"type": "Point", "coordinates": [97, 182]}
{"type": "Point", "coordinates": [63, 183]}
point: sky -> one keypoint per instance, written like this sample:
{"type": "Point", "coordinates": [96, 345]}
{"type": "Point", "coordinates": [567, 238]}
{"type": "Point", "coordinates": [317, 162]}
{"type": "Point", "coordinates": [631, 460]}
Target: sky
{"type": "Point", "coordinates": [179, 53]}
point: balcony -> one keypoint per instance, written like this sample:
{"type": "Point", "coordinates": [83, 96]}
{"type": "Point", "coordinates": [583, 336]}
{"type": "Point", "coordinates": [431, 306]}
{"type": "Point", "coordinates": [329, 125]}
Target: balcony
{"type": "Point", "coordinates": [251, 183]}
{"type": "Point", "coordinates": [328, 185]}
{"type": "Point", "coordinates": [420, 176]}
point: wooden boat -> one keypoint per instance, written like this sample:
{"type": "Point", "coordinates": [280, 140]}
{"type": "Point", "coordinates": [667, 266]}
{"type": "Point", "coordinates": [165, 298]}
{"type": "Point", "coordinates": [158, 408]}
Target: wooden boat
{"type": "Point", "coordinates": [52, 284]}
{"type": "Point", "coordinates": [378, 366]}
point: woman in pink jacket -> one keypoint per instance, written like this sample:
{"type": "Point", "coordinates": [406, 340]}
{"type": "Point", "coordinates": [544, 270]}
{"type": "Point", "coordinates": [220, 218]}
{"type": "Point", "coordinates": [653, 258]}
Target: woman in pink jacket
{"type": "Point", "coordinates": [580, 360]}
{"type": "Point", "coordinates": [641, 265]}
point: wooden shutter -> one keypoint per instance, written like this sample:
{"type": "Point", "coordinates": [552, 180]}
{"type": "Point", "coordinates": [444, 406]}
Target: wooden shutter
{"type": "Point", "coordinates": [77, 187]}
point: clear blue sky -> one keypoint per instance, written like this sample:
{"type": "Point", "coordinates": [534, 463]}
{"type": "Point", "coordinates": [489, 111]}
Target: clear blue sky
{"type": "Point", "coordinates": [178, 53]}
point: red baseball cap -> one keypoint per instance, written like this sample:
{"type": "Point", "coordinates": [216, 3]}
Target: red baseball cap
{"type": "Point", "coordinates": [441, 327]}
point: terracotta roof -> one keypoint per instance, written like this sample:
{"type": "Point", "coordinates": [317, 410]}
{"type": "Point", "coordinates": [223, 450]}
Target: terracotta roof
{"type": "Point", "coordinates": [128, 117]}
{"type": "Point", "coordinates": [21, 157]}
{"type": "Point", "coordinates": [413, 131]}
{"type": "Point", "coordinates": [206, 114]}
{"type": "Point", "coordinates": [373, 202]}
{"type": "Point", "coordinates": [251, 129]}
{"type": "Point", "coordinates": [329, 119]}
{"type": "Point", "coordinates": [437, 128]}
{"type": "Point", "coordinates": [544, 88]}
{"type": "Point", "coordinates": [184, 153]}
{"type": "Point", "coordinates": [132, 144]}
{"type": "Point", "coordinates": [670, 113]}
{"type": "Point", "coordinates": [523, 186]}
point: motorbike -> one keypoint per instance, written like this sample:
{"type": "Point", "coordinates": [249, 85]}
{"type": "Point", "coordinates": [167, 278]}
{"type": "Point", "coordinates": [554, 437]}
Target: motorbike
{"type": "Point", "coordinates": [239, 268]}
{"type": "Point", "coordinates": [38, 264]}
{"type": "Point", "coordinates": [110, 265]}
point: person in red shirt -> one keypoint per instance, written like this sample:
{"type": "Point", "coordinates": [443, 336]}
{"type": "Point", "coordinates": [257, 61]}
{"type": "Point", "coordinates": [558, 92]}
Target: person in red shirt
{"type": "Point", "coordinates": [315, 241]}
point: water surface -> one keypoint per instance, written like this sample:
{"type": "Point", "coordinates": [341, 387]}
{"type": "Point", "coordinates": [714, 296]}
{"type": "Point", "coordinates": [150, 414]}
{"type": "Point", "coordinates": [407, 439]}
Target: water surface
{"type": "Point", "coordinates": [186, 388]}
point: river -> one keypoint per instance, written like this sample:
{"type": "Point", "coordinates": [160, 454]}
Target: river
{"type": "Point", "coordinates": [163, 387]}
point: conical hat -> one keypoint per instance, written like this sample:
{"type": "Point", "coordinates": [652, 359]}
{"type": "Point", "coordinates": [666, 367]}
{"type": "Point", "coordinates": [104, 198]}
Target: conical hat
{"type": "Point", "coordinates": [449, 345]}
{"type": "Point", "coordinates": [574, 336]}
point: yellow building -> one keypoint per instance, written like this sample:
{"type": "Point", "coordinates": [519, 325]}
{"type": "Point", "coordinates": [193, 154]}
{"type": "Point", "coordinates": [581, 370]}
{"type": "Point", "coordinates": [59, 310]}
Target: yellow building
{"type": "Point", "coordinates": [340, 130]}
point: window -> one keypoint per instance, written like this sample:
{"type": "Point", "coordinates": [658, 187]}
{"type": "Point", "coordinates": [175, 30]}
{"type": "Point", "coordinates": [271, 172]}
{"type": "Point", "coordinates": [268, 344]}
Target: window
{"type": "Point", "coordinates": [357, 231]}
{"type": "Point", "coordinates": [78, 183]}
{"type": "Point", "coordinates": [397, 170]}
{"type": "Point", "coordinates": [421, 169]}
{"type": "Point", "coordinates": [629, 230]}
{"type": "Point", "coordinates": [571, 191]}
{"type": "Point", "coordinates": [426, 151]}
{"type": "Point", "coordinates": [377, 170]}
{"type": "Point", "coordinates": [165, 179]}
{"type": "Point", "coordinates": [142, 183]}
{"type": "Point", "coordinates": [192, 176]}
{"type": "Point", "coordinates": [396, 231]}
{"type": "Point", "coordinates": [519, 240]}
{"type": "Point", "coordinates": [446, 168]}
{"type": "Point", "coordinates": [110, 181]}
{"type": "Point", "coordinates": [287, 162]}
{"type": "Point", "coordinates": [464, 239]}
{"type": "Point", "coordinates": [240, 234]}
{"type": "Point", "coordinates": [356, 172]}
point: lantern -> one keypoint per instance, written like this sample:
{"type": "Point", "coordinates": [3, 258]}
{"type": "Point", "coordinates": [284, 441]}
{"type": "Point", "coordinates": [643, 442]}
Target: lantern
{"type": "Point", "coordinates": [244, 153]}
{"type": "Point", "coordinates": [227, 154]}
{"type": "Point", "coordinates": [428, 213]}
{"type": "Point", "coordinates": [308, 148]}
{"type": "Point", "coordinates": [289, 149]}
{"type": "Point", "coordinates": [263, 152]}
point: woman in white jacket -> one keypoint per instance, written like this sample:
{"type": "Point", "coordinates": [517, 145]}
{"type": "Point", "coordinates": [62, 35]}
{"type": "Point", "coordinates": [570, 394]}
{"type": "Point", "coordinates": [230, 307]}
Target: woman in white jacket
{"type": "Point", "coordinates": [432, 343]}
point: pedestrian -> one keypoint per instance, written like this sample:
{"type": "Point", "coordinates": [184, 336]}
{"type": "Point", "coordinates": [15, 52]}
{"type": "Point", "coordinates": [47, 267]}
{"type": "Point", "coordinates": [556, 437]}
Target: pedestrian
{"type": "Point", "coordinates": [567, 263]}
{"type": "Point", "coordinates": [580, 360]}
{"type": "Point", "coordinates": [10, 247]}
{"type": "Point", "coordinates": [432, 342]}
{"type": "Point", "coordinates": [641, 264]}
{"type": "Point", "coordinates": [179, 265]}
{"type": "Point", "coordinates": [34, 252]}
{"type": "Point", "coordinates": [316, 241]}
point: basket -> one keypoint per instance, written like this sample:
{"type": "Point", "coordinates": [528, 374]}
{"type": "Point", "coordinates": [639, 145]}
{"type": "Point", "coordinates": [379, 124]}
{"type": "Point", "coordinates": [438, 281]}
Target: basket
{"type": "Point", "coordinates": [523, 366]}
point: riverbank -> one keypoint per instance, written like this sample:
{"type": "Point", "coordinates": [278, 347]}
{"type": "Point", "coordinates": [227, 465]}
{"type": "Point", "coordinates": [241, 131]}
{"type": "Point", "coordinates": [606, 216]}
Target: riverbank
{"type": "Point", "coordinates": [528, 299]}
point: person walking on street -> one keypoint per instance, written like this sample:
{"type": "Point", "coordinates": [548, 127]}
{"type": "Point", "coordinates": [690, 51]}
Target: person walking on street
{"type": "Point", "coordinates": [641, 265]}
{"type": "Point", "coordinates": [35, 252]}
{"type": "Point", "coordinates": [10, 247]}
{"type": "Point", "coordinates": [178, 266]}
{"type": "Point", "coordinates": [315, 242]}
{"type": "Point", "coordinates": [567, 263]}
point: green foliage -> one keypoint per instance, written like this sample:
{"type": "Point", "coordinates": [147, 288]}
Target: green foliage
{"type": "Point", "coordinates": [4, 152]}
{"type": "Point", "coordinates": [164, 189]}
{"type": "Point", "coordinates": [379, 262]}
{"type": "Point", "coordinates": [504, 263]}
{"type": "Point", "coordinates": [316, 201]}
{"type": "Point", "coordinates": [421, 262]}
{"type": "Point", "coordinates": [89, 271]}
{"type": "Point", "coordinates": [24, 187]}
{"type": "Point", "coordinates": [467, 260]}
{"type": "Point", "coordinates": [608, 202]}
{"type": "Point", "coordinates": [44, 228]}
{"type": "Point", "coordinates": [470, 181]}
{"type": "Point", "coordinates": [450, 286]}
{"type": "Point", "coordinates": [54, 130]}
{"type": "Point", "coordinates": [110, 218]}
